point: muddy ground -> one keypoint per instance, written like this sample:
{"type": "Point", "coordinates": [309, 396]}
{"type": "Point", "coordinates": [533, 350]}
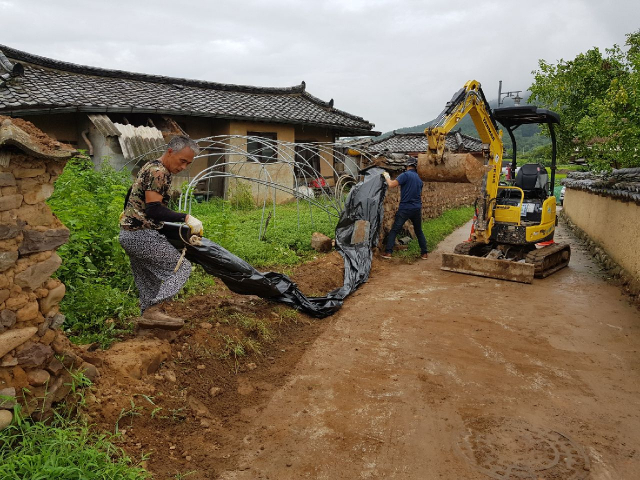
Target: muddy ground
{"type": "Point", "coordinates": [423, 374]}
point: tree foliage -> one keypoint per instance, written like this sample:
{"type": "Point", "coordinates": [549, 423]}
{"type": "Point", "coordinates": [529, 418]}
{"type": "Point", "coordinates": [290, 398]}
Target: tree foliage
{"type": "Point", "coordinates": [598, 97]}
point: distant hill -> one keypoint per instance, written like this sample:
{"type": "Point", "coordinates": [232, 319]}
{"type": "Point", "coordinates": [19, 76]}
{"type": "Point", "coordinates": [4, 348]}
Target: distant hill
{"type": "Point", "coordinates": [527, 136]}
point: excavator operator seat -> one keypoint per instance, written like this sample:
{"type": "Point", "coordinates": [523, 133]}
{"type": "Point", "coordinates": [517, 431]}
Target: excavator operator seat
{"type": "Point", "coordinates": [533, 179]}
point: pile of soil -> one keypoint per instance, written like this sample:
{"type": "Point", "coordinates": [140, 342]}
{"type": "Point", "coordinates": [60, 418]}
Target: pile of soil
{"type": "Point", "coordinates": [44, 141]}
{"type": "Point", "coordinates": [184, 402]}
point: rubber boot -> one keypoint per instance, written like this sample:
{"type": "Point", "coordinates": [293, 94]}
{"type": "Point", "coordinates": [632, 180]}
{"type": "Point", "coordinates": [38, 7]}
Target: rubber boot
{"type": "Point", "coordinates": [153, 317]}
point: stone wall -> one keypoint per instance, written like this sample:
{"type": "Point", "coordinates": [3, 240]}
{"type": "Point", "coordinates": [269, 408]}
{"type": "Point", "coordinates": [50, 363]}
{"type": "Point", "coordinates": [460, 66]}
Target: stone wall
{"type": "Point", "coordinates": [610, 229]}
{"type": "Point", "coordinates": [35, 356]}
{"type": "Point", "coordinates": [436, 198]}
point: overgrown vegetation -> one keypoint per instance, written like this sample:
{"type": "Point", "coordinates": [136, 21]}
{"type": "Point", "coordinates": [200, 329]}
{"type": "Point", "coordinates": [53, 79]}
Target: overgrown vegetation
{"type": "Point", "coordinates": [94, 269]}
{"type": "Point", "coordinates": [286, 241]}
{"type": "Point", "coordinates": [64, 448]}
{"type": "Point", "coordinates": [598, 97]}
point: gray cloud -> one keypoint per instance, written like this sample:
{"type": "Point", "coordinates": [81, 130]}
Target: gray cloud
{"type": "Point", "coordinates": [395, 63]}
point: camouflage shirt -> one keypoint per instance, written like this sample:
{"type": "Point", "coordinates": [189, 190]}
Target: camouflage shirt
{"type": "Point", "coordinates": [153, 176]}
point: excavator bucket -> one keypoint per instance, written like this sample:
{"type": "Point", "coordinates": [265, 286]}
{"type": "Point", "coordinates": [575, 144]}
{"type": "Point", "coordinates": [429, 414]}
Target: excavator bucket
{"type": "Point", "coordinates": [488, 267]}
{"type": "Point", "coordinates": [452, 167]}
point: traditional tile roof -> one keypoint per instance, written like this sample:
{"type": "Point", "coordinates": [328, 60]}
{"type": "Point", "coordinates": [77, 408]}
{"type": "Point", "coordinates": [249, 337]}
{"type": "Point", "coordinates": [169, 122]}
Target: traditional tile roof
{"type": "Point", "coordinates": [417, 142]}
{"type": "Point", "coordinates": [32, 84]}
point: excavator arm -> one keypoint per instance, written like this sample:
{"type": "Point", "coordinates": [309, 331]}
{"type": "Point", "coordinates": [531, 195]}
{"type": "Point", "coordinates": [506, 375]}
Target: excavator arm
{"type": "Point", "coordinates": [470, 100]}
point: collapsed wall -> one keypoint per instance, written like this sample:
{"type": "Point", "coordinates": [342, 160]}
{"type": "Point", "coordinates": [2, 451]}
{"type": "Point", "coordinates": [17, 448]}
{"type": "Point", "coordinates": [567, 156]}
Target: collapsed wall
{"type": "Point", "coordinates": [36, 359]}
{"type": "Point", "coordinates": [604, 211]}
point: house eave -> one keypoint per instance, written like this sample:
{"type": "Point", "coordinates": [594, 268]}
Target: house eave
{"type": "Point", "coordinates": [339, 130]}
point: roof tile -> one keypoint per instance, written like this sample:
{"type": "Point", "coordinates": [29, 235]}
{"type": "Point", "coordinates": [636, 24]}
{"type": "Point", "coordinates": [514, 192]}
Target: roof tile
{"type": "Point", "coordinates": [51, 84]}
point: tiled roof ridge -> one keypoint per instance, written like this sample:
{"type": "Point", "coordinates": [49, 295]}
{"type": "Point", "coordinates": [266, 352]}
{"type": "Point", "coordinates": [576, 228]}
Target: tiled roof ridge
{"type": "Point", "coordinates": [329, 105]}
{"type": "Point", "coordinates": [11, 53]}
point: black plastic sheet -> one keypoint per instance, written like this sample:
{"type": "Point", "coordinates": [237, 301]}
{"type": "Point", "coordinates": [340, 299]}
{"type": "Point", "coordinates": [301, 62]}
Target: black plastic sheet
{"type": "Point", "coordinates": [356, 235]}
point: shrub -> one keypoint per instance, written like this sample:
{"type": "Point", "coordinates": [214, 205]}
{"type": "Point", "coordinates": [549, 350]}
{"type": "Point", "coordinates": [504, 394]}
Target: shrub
{"type": "Point", "coordinates": [94, 269]}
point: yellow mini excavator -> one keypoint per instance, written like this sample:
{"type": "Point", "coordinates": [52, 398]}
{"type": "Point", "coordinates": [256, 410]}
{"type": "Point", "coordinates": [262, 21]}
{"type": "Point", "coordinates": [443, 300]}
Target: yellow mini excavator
{"type": "Point", "coordinates": [514, 225]}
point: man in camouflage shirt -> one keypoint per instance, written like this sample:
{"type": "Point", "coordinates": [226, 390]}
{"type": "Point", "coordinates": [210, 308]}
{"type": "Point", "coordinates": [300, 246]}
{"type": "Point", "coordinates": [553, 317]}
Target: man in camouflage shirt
{"type": "Point", "coordinates": [153, 258]}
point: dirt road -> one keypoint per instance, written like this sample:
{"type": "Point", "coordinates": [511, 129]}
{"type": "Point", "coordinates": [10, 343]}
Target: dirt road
{"type": "Point", "coordinates": [426, 374]}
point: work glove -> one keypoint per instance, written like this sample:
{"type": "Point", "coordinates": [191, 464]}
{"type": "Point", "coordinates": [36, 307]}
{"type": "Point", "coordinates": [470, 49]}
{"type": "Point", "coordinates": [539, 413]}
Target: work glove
{"type": "Point", "coordinates": [195, 225]}
{"type": "Point", "coordinates": [386, 175]}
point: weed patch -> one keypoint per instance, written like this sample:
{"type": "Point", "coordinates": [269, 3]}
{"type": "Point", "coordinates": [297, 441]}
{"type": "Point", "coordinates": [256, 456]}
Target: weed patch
{"type": "Point", "coordinates": [64, 450]}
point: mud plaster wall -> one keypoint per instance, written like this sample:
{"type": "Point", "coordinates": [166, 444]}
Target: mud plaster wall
{"type": "Point", "coordinates": [35, 356]}
{"type": "Point", "coordinates": [611, 223]}
{"type": "Point", "coordinates": [436, 198]}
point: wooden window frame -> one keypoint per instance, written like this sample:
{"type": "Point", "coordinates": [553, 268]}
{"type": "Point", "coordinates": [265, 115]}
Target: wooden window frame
{"type": "Point", "coordinates": [259, 150]}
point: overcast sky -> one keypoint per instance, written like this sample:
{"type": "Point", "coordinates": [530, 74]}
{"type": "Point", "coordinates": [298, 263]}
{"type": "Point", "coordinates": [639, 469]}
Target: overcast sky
{"type": "Point", "coordinates": [395, 63]}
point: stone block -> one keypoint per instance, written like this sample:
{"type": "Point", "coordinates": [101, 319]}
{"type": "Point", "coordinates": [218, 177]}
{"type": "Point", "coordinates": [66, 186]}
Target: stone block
{"type": "Point", "coordinates": [20, 378]}
{"type": "Point", "coordinates": [8, 361]}
{"type": "Point", "coordinates": [17, 301]}
{"type": "Point", "coordinates": [36, 215]}
{"type": "Point", "coordinates": [38, 377]}
{"type": "Point", "coordinates": [90, 371]}
{"type": "Point", "coordinates": [320, 242]}
{"type": "Point", "coordinates": [56, 321]}
{"type": "Point", "coordinates": [7, 318]}
{"type": "Point", "coordinates": [7, 260]}
{"type": "Point", "coordinates": [10, 202]}
{"type": "Point", "coordinates": [9, 230]}
{"type": "Point", "coordinates": [38, 194]}
{"type": "Point", "coordinates": [28, 312]}
{"type": "Point", "coordinates": [4, 294]}
{"type": "Point", "coordinates": [6, 417]}
{"type": "Point", "coordinates": [48, 337]}
{"type": "Point", "coordinates": [37, 274]}
{"type": "Point", "coordinates": [61, 387]}
{"type": "Point", "coordinates": [28, 172]}
{"type": "Point", "coordinates": [44, 326]}
{"type": "Point", "coordinates": [7, 179]}
{"type": "Point", "coordinates": [7, 398]}
{"type": "Point", "coordinates": [55, 366]}
{"type": "Point", "coordinates": [34, 355]}
{"type": "Point", "coordinates": [13, 338]}
{"type": "Point", "coordinates": [34, 241]}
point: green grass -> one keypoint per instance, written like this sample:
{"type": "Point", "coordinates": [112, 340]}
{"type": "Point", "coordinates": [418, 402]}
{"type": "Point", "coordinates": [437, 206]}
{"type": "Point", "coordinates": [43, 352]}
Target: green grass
{"type": "Point", "coordinates": [287, 239]}
{"type": "Point", "coordinates": [437, 229]}
{"type": "Point", "coordinates": [64, 450]}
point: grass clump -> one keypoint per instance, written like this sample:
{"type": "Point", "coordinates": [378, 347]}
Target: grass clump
{"type": "Point", "coordinates": [62, 450]}
{"type": "Point", "coordinates": [286, 241]}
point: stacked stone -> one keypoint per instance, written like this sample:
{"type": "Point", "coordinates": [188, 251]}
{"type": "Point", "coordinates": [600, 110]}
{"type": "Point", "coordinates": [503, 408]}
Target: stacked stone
{"type": "Point", "coordinates": [35, 356]}
{"type": "Point", "coordinates": [436, 198]}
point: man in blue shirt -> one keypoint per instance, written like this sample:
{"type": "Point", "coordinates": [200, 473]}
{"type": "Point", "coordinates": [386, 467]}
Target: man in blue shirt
{"type": "Point", "coordinates": [410, 207]}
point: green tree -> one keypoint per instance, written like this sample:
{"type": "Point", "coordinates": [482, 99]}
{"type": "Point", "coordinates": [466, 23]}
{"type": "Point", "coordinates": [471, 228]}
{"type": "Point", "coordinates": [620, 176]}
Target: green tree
{"type": "Point", "coordinates": [598, 98]}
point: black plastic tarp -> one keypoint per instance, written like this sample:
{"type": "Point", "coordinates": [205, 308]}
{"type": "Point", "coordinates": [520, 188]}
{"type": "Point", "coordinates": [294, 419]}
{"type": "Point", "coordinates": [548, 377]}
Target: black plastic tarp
{"type": "Point", "coordinates": [356, 235]}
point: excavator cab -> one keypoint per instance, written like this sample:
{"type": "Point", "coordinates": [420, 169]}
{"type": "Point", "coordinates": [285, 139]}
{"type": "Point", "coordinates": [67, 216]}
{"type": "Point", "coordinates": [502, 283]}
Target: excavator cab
{"type": "Point", "coordinates": [512, 118]}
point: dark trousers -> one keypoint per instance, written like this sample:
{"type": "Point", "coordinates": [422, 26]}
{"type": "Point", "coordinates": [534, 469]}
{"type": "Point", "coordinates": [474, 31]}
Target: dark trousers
{"type": "Point", "coordinates": [415, 215]}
